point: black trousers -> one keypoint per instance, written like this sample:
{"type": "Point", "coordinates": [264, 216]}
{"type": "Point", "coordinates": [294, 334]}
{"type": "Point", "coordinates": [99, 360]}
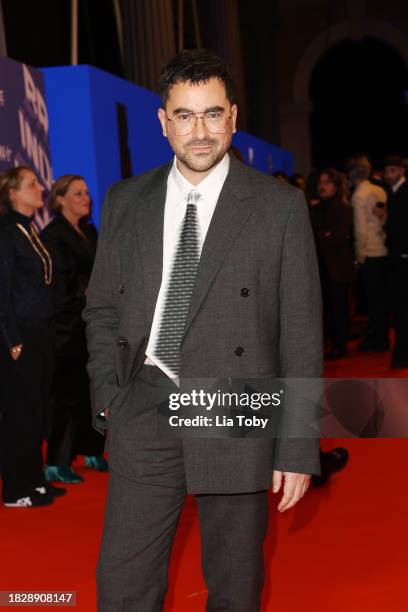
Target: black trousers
{"type": "Point", "coordinates": [25, 387]}
{"type": "Point", "coordinates": [336, 311]}
{"type": "Point", "coordinates": [399, 280]}
{"type": "Point", "coordinates": [71, 432]}
{"type": "Point", "coordinates": [140, 523]}
{"type": "Point", "coordinates": [374, 273]}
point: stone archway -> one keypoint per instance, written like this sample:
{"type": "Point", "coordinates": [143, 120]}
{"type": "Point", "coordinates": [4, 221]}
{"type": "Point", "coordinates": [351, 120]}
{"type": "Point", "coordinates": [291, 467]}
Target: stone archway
{"type": "Point", "coordinates": [294, 116]}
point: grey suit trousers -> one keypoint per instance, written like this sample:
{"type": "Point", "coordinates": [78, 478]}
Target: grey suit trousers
{"type": "Point", "coordinates": [143, 509]}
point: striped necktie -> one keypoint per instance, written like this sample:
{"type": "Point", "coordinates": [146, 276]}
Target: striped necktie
{"type": "Point", "coordinates": [180, 288]}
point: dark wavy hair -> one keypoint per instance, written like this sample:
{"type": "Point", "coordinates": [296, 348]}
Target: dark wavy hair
{"type": "Point", "coordinates": [197, 66]}
{"type": "Point", "coordinates": [393, 160]}
{"type": "Point", "coordinates": [338, 179]}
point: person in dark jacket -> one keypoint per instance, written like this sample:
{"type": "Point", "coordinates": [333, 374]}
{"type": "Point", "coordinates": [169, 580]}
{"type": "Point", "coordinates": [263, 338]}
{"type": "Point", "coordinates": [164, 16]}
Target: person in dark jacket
{"type": "Point", "coordinates": [71, 240]}
{"type": "Point", "coordinates": [26, 342]}
{"type": "Point", "coordinates": [331, 219]}
{"type": "Point", "coordinates": [396, 229]}
{"type": "Point", "coordinates": [332, 222]}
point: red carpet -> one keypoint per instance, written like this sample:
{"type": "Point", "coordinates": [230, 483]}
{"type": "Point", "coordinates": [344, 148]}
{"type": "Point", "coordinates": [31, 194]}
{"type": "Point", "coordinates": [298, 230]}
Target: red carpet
{"type": "Point", "coordinates": [342, 549]}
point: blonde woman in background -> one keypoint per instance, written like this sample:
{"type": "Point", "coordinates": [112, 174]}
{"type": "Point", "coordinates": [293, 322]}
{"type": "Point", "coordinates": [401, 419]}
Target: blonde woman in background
{"type": "Point", "coordinates": [71, 240]}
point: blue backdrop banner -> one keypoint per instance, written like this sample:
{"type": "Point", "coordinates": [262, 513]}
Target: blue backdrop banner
{"type": "Point", "coordinates": [24, 123]}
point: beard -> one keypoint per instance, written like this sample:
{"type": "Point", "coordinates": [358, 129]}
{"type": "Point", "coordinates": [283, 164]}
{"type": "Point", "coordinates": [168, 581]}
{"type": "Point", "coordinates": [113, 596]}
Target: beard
{"type": "Point", "coordinates": [203, 162]}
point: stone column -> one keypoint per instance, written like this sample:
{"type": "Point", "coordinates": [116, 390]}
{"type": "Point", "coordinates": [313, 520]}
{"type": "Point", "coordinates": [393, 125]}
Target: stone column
{"type": "Point", "coordinates": [294, 121]}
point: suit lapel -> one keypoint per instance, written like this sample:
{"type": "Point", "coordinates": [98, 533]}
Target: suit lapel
{"type": "Point", "coordinates": [150, 223]}
{"type": "Point", "coordinates": [230, 215]}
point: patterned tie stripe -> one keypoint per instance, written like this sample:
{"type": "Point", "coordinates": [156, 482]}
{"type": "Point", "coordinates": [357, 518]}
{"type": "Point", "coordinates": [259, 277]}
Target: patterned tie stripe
{"type": "Point", "coordinates": [180, 288]}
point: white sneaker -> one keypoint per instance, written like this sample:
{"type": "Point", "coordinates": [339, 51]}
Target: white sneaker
{"type": "Point", "coordinates": [30, 501]}
{"type": "Point", "coordinates": [22, 502]}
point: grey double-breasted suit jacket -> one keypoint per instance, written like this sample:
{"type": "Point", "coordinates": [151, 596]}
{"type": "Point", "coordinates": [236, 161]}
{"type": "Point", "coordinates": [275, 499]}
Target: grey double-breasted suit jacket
{"type": "Point", "coordinates": [255, 312]}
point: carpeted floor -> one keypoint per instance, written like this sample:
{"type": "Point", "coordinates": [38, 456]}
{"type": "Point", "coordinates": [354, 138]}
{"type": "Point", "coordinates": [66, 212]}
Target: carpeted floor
{"type": "Point", "coordinates": [342, 549]}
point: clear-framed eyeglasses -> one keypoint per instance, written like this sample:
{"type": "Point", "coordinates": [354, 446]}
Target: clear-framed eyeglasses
{"type": "Point", "coordinates": [216, 122]}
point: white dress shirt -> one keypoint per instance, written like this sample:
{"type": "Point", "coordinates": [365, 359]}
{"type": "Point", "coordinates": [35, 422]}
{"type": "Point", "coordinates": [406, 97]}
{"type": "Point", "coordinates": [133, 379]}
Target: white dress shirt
{"type": "Point", "coordinates": [398, 184]}
{"type": "Point", "coordinates": [368, 230]}
{"type": "Point", "coordinates": [178, 189]}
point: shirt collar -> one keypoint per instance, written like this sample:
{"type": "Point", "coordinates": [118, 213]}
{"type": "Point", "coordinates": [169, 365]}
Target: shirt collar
{"type": "Point", "coordinates": [398, 185]}
{"type": "Point", "coordinates": [209, 187]}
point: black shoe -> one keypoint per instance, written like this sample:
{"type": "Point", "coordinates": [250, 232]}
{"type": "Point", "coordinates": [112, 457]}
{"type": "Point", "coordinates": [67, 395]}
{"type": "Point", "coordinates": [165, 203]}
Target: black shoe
{"type": "Point", "coordinates": [49, 489]}
{"type": "Point", "coordinates": [335, 354]}
{"type": "Point", "coordinates": [398, 365]}
{"type": "Point", "coordinates": [31, 501]}
{"type": "Point", "coordinates": [374, 347]}
{"type": "Point", "coordinates": [331, 462]}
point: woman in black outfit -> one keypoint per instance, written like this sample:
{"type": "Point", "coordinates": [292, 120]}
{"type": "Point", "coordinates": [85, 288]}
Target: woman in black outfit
{"type": "Point", "coordinates": [26, 342]}
{"type": "Point", "coordinates": [71, 240]}
{"type": "Point", "coordinates": [332, 223]}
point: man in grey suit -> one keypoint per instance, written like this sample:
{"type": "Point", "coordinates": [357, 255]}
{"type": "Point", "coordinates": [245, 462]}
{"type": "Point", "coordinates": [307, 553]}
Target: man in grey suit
{"type": "Point", "coordinates": [205, 269]}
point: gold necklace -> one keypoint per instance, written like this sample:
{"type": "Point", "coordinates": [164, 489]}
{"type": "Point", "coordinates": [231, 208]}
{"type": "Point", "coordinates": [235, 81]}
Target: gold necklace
{"type": "Point", "coordinates": [41, 251]}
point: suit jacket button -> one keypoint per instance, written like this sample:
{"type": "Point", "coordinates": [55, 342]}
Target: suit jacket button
{"type": "Point", "coordinates": [245, 292]}
{"type": "Point", "coordinates": [121, 290]}
{"type": "Point", "coordinates": [122, 344]}
{"type": "Point", "coordinates": [239, 350]}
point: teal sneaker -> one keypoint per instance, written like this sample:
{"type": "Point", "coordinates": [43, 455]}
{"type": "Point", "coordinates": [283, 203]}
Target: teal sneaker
{"type": "Point", "coordinates": [62, 474]}
{"type": "Point", "coordinates": [97, 462]}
